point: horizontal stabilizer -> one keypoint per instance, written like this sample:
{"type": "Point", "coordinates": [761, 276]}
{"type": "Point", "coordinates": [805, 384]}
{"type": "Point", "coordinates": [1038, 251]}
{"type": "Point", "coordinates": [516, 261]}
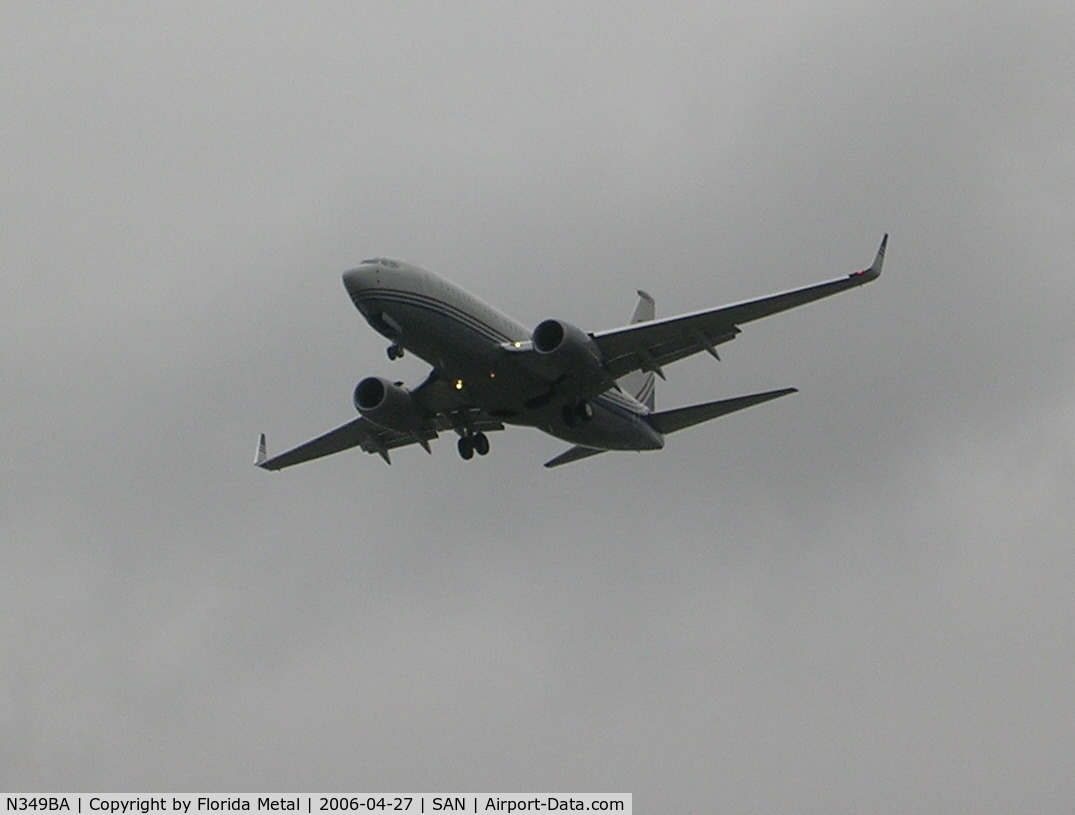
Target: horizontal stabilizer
{"type": "Point", "coordinates": [670, 421]}
{"type": "Point", "coordinates": [574, 454]}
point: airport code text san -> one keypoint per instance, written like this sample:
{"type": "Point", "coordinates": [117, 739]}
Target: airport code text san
{"type": "Point", "coordinates": [191, 804]}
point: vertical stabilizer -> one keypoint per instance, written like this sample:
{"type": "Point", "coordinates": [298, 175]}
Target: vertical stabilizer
{"type": "Point", "coordinates": [640, 384]}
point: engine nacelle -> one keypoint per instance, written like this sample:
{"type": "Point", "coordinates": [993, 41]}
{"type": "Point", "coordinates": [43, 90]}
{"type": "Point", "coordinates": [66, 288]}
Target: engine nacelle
{"type": "Point", "coordinates": [387, 404]}
{"type": "Point", "coordinates": [571, 349]}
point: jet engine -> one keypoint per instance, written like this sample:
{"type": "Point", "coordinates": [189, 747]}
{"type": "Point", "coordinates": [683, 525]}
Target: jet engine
{"type": "Point", "coordinates": [571, 349]}
{"type": "Point", "coordinates": [387, 404]}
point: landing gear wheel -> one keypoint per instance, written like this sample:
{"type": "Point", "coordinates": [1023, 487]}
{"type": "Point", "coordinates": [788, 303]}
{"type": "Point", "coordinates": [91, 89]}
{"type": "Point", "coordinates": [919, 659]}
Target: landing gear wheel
{"type": "Point", "coordinates": [394, 352]}
{"type": "Point", "coordinates": [466, 447]}
{"type": "Point", "coordinates": [481, 443]}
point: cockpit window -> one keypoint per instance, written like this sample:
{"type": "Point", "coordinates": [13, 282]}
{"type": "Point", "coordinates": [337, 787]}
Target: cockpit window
{"type": "Point", "coordinates": [372, 260]}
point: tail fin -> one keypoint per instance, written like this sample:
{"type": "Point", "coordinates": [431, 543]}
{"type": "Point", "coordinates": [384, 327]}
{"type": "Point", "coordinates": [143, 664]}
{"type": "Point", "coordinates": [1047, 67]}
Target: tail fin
{"type": "Point", "coordinates": [640, 384]}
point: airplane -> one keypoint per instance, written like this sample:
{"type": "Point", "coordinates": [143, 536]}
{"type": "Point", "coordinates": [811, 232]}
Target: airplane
{"type": "Point", "coordinates": [594, 390]}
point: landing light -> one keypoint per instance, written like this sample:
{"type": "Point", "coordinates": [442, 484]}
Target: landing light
{"type": "Point", "coordinates": [459, 384]}
{"type": "Point", "coordinates": [517, 344]}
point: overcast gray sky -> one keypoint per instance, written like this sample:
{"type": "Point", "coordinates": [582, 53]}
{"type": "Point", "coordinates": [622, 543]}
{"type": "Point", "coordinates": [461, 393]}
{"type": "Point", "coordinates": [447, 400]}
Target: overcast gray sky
{"type": "Point", "coordinates": [857, 599]}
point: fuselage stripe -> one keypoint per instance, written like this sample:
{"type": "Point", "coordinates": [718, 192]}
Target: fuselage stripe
{"type": "Point", "coordinates": [437, 307]}
{"type": "Point", "coordinates": [619, 408]}
{"type": "Point", "coordinates": [647, 389]}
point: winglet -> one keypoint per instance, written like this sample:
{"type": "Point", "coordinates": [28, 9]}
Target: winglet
{"type": "Point", "coordinates": [645, 310]}
{"type": "Point", "coordinates": [262, 453]}
{"type": "Point", "coordinates": [874, 272]}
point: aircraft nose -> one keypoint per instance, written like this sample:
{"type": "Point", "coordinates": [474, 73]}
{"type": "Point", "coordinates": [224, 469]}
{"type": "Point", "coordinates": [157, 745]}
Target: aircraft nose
{"type": "Point", "coordinates": [358, 282]}
{"type": "Point", "coordinates": [355, 280]}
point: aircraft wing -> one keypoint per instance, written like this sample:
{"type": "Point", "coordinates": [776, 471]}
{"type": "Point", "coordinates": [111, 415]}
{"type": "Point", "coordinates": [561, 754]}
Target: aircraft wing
{"type": "Point", "coordinates": [438, 401]}
{"type": "Point", "coordinates": [650, 345]}
{"type": "Point", "coordinates": [357, 433]}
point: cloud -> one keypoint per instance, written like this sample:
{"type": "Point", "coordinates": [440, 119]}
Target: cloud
{"type": "Point", "coordinates": [855, 598]}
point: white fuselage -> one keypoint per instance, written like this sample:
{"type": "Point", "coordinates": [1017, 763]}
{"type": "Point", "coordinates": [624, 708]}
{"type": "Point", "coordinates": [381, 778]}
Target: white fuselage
{"type": "Point", "coordinates": [468, 343]}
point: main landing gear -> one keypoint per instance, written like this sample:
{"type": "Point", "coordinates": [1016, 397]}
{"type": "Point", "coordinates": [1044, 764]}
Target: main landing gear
{"type": "Point", "coordinates": [472, 443]}
{"type": "Point", "coordinates": [394, 352]}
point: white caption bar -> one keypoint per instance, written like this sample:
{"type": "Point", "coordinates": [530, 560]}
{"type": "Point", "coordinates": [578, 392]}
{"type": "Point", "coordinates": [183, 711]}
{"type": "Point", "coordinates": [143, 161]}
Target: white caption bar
{"type": "Point", "coordinates": [380, 803]}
